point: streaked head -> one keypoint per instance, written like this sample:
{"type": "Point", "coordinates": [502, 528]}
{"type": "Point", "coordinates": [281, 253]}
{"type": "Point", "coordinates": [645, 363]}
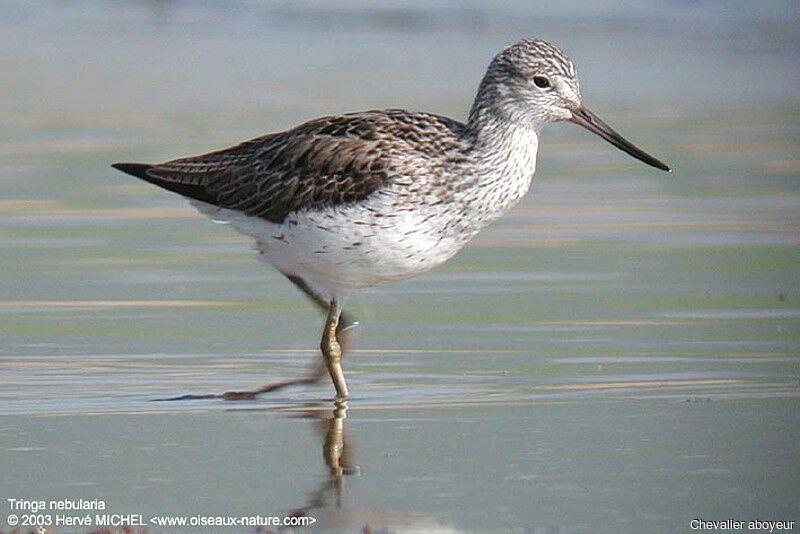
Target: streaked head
{"type": "Point", "coordinates": [534, 83]}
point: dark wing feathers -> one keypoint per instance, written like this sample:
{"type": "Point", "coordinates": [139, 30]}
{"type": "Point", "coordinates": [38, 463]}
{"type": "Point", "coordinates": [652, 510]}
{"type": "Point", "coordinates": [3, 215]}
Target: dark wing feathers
{"type": "Point", "coordinates": [322, 163]}
{"type": "Point", "coordinates": [141, 170]}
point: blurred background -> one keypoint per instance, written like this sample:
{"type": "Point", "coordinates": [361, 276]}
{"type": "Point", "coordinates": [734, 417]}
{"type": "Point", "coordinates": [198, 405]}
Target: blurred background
{"type": "Point", "coordinates": [570, 335]}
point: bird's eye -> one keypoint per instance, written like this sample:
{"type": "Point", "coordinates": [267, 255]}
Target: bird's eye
{"type": "Point", "coordinates": [541, 82]}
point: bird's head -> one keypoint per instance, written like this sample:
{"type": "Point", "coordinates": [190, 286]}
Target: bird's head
{"type": "Point", "coordinates": [533, 83]}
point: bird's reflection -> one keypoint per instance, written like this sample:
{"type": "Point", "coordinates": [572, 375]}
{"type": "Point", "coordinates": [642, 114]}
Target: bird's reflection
{"type": "Point", "coordinates": [330, 503]}
{"type": "Point", "coordinates": [338, 458]}
{"type": "Point", "coordinates": [337, 455]}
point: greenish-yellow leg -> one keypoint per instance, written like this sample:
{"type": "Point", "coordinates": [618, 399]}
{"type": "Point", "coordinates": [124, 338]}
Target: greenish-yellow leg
{"type": "Point", "coordinates": [332, 350]}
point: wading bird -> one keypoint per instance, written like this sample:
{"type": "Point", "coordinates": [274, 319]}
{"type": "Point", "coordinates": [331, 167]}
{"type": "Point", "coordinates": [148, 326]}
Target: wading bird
{"type": "Point", "coordinates": [349, 201]}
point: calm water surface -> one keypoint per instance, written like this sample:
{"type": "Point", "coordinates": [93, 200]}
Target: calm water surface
{"type": "Point", "coordinates": [618, 354]}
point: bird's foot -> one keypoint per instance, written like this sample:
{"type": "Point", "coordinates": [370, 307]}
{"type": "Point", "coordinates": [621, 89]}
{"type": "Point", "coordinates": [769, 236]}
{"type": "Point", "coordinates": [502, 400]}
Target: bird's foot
{"type": "Point", "coordinates": [187, 397]}
{"type": "Point", "coordinates": [239, 395]}
{"type": "Point", "coordinates": [250, 394]}
{"type": "Point", "coordinates": [269, 388]}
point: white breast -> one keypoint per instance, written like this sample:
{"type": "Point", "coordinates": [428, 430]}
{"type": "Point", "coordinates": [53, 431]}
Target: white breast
{"type": "Point", "coordinates": [506, 169]}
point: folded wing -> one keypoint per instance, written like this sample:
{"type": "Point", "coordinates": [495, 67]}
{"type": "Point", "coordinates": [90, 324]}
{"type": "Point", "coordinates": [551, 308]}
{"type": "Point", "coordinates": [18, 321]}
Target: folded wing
{"type": "Point", "coordinates": [320, 164]}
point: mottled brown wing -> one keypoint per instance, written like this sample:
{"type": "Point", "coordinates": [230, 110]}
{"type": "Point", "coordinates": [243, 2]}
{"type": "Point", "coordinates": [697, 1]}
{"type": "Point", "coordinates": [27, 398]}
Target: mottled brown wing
{"type": "Point", "coordinates": [320, 164]}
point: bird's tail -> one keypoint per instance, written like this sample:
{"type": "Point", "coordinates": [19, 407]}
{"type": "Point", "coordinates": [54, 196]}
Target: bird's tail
{"type": "Point", "coordinates": [191, 190]}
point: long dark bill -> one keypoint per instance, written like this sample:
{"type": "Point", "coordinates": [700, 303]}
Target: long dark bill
{"type": "Point", "coordinates": [592, 122]}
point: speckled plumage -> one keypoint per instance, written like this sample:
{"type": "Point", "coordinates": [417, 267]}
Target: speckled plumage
{"type": "Point", "coordinates": [349, 201]}
{"type": "Point", "coordinates": [320, 164]}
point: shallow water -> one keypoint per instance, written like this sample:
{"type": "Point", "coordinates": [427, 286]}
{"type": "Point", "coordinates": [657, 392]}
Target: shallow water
{"type": "Point", "coordinates": [618, 354]}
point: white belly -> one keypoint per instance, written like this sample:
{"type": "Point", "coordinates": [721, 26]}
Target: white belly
{"type": "Point", "coordinates": [345, 249]}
